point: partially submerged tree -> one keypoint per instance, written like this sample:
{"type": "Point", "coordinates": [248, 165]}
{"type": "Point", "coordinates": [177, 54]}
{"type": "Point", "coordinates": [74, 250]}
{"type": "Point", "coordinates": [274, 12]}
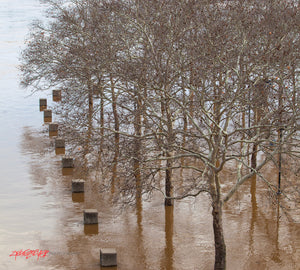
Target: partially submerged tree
{"type": "Point", "coordinates": [194, 80]}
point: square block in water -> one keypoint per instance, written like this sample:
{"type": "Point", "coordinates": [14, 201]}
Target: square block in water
{"type": "Point", "coordinates": [47, 113]}
{"type": "Point", "coordinates": [43, 102]}
{"type": "Point", "coordinates": [59, 143]}
{"type": "Point", "coordinates": [53, 127]}
{"type": "Point", "coordinates": [90, 216]}
{"type": "Point", "coordinates": [77, 185]}
{"type": "Point", "coordinates": [108, 257]}
{"type": "Point", "coordinates": [56, 93]}
{"type": "Point", "coordinates": [67, 162]}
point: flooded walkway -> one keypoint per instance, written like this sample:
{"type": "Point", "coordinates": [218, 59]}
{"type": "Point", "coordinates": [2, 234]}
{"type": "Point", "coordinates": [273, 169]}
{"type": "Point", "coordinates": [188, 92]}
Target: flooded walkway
{"type": "Point", "coordinates": [39, 211]}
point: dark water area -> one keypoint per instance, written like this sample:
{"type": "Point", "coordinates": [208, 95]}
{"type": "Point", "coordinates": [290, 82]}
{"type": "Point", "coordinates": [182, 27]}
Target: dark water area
{"type": "Point", "coordinates": [39, 211]}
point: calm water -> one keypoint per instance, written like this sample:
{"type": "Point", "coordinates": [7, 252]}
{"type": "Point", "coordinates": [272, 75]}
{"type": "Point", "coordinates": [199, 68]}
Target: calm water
{"type": "Point", "coordinates": [38, 210]}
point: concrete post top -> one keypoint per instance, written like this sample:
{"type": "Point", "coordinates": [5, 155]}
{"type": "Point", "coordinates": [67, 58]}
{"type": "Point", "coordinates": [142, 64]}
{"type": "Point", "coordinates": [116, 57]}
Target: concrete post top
{"type": "Point", "coordinates": [90, 211]}
{"type": "Point", "coordinates": [43, 101]}
{"type": "Point", "coordinates": [67, 157]}
{"type": "Point", "coordinates": [78, 181]}
{"type": "Point", "coordinates": [108, 251]}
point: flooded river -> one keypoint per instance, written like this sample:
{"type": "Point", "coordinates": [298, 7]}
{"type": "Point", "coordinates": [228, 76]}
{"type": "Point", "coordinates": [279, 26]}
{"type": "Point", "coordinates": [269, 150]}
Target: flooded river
{"type": "Point", "coordinates": [38, 210]}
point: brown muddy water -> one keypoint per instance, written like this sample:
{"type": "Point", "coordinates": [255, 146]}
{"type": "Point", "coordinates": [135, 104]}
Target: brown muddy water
{"type": "Point", "coordinates": [38, 210]}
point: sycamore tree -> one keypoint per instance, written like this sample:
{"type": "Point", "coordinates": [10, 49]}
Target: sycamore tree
{"type": "Point", "coordinates": [242, 72]}
{"type": "Point", "coordinates": [214, 82]}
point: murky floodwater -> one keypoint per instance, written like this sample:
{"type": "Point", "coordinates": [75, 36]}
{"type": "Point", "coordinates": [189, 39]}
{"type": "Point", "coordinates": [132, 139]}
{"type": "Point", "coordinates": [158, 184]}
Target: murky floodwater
{"type": "Point", "coordinates": [38, 210]}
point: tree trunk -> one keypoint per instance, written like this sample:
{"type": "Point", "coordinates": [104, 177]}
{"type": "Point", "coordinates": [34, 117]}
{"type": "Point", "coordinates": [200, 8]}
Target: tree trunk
{"type": "Point", "coordinates": [168, 184]}
{"type": "Point", "coordinates": [100, 89]}
{"type": "Point", "coordinates": [137, 145]}
{"type": "Point", "coordinates": [254, 156]}
{"type": "Point", "coordinates": [90, 118]}
{"type": "Point", "coordinates": [101, 119]}
{"type": "Point", "coordinates": [169, 247]}
{"type": "Point", "coordinates": [220, 247]}
{"type": "Point", "coordinates": [169, 155]}
{"type": "Point", "coordinates": [117, 129]}
{"type": "Point", "coordinates": [87, 145]}
{"type": "Point", "coordinates": [185, 126]}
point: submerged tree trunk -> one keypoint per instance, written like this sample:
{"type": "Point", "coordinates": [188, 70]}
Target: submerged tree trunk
{"type": "Point", "coordinates": [254, 157]}
{"type": "Point", "coordinates": [168, 183]}
{"type": "Point", "coordinates": [220, 247]}
{"type": "Point", "coordinates": [165, 112]}
{"type": "Point", "coordinates": [217, 213]}
{"type": "Point", "coordinates": [169, 155]}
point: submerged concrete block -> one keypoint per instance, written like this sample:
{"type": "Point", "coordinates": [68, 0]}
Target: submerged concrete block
{"type": "Point", "coordinates": [47, 113]}
{"type": "Point", "coordinates": [43, 102]}
{"type": "Point", "coordinates": [56, 95]}
{"type": "Point", "coordinates": [108, 257]}
{"type": "Point", "coordinates": [90, 216]}
{"type": "Point", "coordinates": [77, 185]}
{"type": "Point", "coordinates": [47, 116]}
{"type": "Point", "coordinates": [53, 129]}
{"type": "Point", "coordinates": [67, 162]}
{"type": "Point", "coordinates": [59, 143]}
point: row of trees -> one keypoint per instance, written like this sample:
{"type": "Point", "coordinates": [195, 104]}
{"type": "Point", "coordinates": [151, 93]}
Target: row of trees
{"type": "Point", "coordinates": [174, 91]}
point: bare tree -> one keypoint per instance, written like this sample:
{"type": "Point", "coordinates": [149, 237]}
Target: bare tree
{"type": "Point", "coordinates": [194, 80]}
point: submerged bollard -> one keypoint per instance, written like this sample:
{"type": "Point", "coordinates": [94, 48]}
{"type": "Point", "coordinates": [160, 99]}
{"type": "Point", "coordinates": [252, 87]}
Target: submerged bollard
{"type": "Point", "coordinates": [56, 95]}
{"type": "Point", "coordinates": [77, 185]}
{"type": "Point", "coordinates": [59, 146]}
{"type": "Point", "coordinates": [67, 162]}
{"type": "Point", "coordinates": [47, 116]}
{"type": "Point", "coordinates": [53, 129]}
{"type": "Point", "coordinates": [43, 104]}
{"type": "Point", "coordinates": [108, 257]}
{"type": "Point", "coordinates": [59, 143]}
{"type": "Point", "coordinates": [90, 216]}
